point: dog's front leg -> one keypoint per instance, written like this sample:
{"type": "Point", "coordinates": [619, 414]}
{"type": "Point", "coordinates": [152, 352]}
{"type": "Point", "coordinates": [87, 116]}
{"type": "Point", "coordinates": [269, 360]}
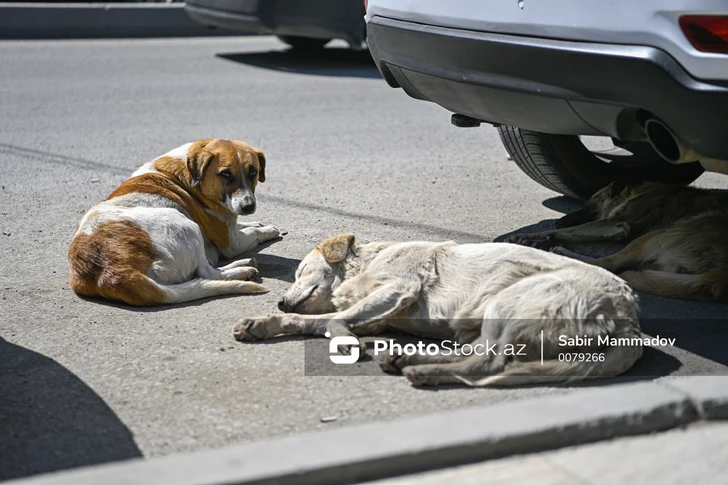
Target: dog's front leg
{"type": "Point", "coordinates": [596, 231]}
{"type": "Point", "coordinates": [247, 238]}
{"type": "Point", "coordinates": [245, 224]}
{"type": "Point", "coordinates": [269, 326]}
{"type": "Point", "coordinates": [385, 301]}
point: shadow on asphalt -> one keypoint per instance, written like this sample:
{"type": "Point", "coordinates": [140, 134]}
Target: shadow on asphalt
{"type": "Point", "coordinates": [62, 160]}
{"type": "Point", "coordinates": [562, 204]}
{"type": "Point", "coordinates": [544, 225]}
{"type": "Point", "coordinates": [336, 62]}
{"type": "Point", "coordinates": [50, 420]}
{"type": "Point", "coordinates": [386, 221]}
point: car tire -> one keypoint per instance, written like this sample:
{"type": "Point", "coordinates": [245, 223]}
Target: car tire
{"type": "Point", "coordinates": [303, 43]}
{"type": "Point", "coordinates": [565, 165]}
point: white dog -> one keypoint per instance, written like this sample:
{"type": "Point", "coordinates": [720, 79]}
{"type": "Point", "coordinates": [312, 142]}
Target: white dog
{"type": "Point", "coordinates": [491, 293]}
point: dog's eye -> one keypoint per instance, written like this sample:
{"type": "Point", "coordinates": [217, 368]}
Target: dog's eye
{"type": "Point", "coordinates": [226, 174]}
{"type": "Point", "coordinates": [252, 174]}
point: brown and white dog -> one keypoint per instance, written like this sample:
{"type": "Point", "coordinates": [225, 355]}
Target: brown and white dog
{"type": "Point", "coordinates": [160, 234]}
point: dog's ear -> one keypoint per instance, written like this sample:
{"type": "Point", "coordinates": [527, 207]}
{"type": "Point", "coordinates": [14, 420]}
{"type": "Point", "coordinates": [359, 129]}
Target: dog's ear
{"type": "Point", "coordinates": [198, 158]}
{"type": "Point", "coordinates": [261, 162]}
{"type": "Point", "coordinates": [616, 188]}
{"type": "Point", "coordinates": [335, 249]}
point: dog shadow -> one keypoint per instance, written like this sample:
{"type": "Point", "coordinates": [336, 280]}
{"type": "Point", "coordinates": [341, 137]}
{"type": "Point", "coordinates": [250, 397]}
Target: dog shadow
{"type": "Point", "coordinates": [51, 420]}
{"type": "Point", "coordinates": [338, 62]}
{"type": "Point", "coordinates": [272, 266]}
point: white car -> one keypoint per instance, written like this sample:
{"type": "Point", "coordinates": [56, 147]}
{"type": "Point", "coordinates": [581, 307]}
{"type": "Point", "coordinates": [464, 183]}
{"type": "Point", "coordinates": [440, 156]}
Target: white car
{"type": "Point", "coordinates": [652, 75]}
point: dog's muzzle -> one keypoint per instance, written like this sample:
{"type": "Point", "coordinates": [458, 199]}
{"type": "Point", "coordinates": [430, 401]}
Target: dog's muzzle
{"type": "Point", "coordinates": [247, 209]}
{"type": "Point", "coordinates": [244, 205]}
{"type": "Point", "coordinates": [287, 306]}
{"type": "Point", "coordinates": [283, 305]}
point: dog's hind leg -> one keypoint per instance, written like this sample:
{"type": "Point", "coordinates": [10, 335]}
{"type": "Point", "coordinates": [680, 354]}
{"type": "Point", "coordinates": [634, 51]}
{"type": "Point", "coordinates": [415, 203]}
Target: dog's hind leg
{"type": "Point", "coordinates": [471, 367]}
{"type": "Point", "coordinates": [711, 286]}
{"type": "Point", "coordinates": [640, 251]}
{"type": "Point", "coordinates": [395, 360]}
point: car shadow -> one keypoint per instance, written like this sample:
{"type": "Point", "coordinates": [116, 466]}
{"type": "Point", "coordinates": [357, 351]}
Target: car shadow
{"type": "Point", "coordinates": [338, 62]}
{"type": "Point", "coordinates": [51, 420]}
{"type": "Point", "coordinates": [562, 204]}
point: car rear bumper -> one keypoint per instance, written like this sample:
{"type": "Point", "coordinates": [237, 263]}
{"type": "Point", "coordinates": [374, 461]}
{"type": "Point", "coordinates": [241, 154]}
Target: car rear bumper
{"type": "Point", "coordinates": [548, 85]}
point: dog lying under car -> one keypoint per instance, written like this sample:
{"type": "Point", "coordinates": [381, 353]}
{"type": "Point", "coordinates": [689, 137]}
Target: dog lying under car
{"type": "Point", "coordinates": [471, 293]}
{"type": "Point", "coordinates": [160, 234]}
{"type": "Point", "coordinates": [671, 240]}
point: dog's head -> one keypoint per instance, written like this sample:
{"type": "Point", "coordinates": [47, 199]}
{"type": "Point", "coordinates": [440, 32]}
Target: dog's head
{"type": "Point", "coordinates": [224, 174]}
{"type": "Point", "coordinates": [600, 204]}
{"type": "Point", "coordinates": [318, 275]}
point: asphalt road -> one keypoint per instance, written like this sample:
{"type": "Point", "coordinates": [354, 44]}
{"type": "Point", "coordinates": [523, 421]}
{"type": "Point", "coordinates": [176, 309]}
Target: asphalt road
{"type": "Point", "coordinates": [86, 382]}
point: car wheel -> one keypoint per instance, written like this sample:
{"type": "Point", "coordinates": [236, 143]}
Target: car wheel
{"type": "Point", "coordinates": [303, 43]}
{"type": "Point", "coordinates": [564, 163]}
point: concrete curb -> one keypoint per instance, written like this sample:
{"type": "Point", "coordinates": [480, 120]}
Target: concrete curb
{"type": "Point", "coordinates": [103, 20]}
{"type": "Point", "coordinates": [381, 450]}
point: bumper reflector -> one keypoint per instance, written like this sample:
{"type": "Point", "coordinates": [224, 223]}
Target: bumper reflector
{"type": "Point", "coordinates": [707, 33]}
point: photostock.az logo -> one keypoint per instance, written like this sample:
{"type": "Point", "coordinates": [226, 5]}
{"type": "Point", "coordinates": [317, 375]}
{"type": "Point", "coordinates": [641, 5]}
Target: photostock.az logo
{"type": "Point", "coordinates": [344, 341]}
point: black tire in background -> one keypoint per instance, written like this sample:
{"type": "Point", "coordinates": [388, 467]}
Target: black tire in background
{"type": "Point", "coordinates": [564, 164]}
{"type": "Point", "coordinates": [303, 43]}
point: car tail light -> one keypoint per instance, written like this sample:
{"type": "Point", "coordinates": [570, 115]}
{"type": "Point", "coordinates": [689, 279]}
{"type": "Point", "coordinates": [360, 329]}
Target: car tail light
{"type": "Point", "coordinates": [366, 4]}
{"type": "Point", "coordinates": [707, 33]}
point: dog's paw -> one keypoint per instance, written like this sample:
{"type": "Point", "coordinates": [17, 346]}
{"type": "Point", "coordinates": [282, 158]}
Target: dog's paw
{"type": "Point", "coordinates": [241, 263]}
{"type": "Point", "coordinates": [266, 233]}
{"type": "Point", "coordinates": [251, 329]}
{"type": "Point", "coordinates": [251, 262]}
{"type": "Point", "coordinates": [346, 349]}
{"type": "Point", "coordinates": [560, 250]}
{"type": "Point", "coordinates": [416, 379]}
{"type": "Point", "coordinates": [244, 273]}
{"type": "Point", "coordinates": [539, 241]}
{"type": "Point", "coordinates": [392, 362]}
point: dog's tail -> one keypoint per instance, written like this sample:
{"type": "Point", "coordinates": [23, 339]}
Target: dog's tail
{"type": "Point", "coordinates": [712, 285]}
{"type": "Point", "coordinates": [569, 367]}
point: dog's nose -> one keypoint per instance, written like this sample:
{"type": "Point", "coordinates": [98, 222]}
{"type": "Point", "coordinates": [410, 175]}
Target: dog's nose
{"type": "Point", "coordinates": [283, 305]}
{"type": "Point", "coordinates": [248, 209]}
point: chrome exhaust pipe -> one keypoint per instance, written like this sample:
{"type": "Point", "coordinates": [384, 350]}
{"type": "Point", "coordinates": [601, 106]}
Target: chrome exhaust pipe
{"type": "Point", "coordinates": [667, 144]}
{"type": "Point", "coordinates": [672, 149]}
